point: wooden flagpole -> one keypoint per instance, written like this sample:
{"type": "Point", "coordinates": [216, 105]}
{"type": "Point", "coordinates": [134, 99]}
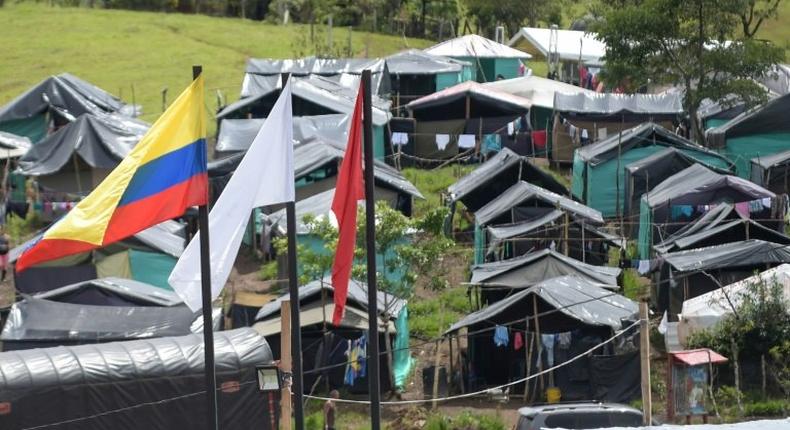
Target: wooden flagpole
{"type": "Point", "coordinates": [208, 324]}
{"type": "Point", "coordinates": [296, 327]}
{"type": "Point", "coordinates": [370, 237]}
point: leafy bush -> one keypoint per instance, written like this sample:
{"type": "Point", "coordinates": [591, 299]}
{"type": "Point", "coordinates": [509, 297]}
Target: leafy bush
{"type": "Point", "coordinates": [768, 408]}
{"type": "Point", "coordinates": [464, 421]}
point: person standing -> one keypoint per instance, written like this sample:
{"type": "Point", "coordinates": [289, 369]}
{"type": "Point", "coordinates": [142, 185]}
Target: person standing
{"type": "Point", "coordinates": [330, 410]}
{"type": "Point", "coordinates": [5, 246]}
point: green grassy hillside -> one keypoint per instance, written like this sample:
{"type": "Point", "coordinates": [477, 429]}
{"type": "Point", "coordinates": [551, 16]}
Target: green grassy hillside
{"type": "Point", "coordinates": [150, 51]}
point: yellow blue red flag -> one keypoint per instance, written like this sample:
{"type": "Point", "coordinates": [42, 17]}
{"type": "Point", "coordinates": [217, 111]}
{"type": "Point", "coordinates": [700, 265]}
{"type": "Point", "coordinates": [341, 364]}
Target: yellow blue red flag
{"type": "Point", "coordinates": [162, 176]}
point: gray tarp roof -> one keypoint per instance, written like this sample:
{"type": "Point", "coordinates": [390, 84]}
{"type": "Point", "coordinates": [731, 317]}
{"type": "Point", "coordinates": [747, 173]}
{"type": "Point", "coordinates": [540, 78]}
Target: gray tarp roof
{"type": "Point", "coordinates": [321, 91]}
{"type": "Point", "coordinates": [345, 71]}
{"type": "Point", "coordinates": [12, 146]}
{"type": "Point", "coordinates": [416, 62]}
{"type": "Point", "coordinates": [773, 160]}
{"type": "Point", "coordinates": [736, 254]}
{"type": "Point", "coordinates": [729, 229]}
{"type": "Point", "coordinates": [475, 91]}
{"type": "Point", "coordinates": [357, 293]}
{"type": "Point", "coordinates": [481, 177]}
{"type": "Point", "coordinates": [573, 298]}
{"type": "Point", "coordinates": [472, 45]}
{"type": "Point", "coordinates": [238, 134]}
{"type": "Point", "coordinates": [502, 232]}
{"type": "Point", "coordinates": [35, 319]}
{"type": "Point", "coordinates": [100, 141]}
{"type": "Point", "coordinates": [111, 362]}
{"type": "Point", "coordinates": [699, 180]}
{"type": "Point", "coordinates": [765, 119]}
{"type": "Point", "coordinates": [641, 135]}
{"type": "Point", "coordinates": [609, 103]}
{"type": "Point", "coordinates": [167, 237]}
{"type": "Point", "coordinates": [523, 191]}
{"type": "Point", "coordinates": [135, 290]}
{"type": "Point", "coordinates": [315, 153]}
{"type": "Point", "coordinates": [67, 94]}
{"type": "Point", "coordinates": [316, 205]}
{"type": "Point", "coordinates": [534, 267]}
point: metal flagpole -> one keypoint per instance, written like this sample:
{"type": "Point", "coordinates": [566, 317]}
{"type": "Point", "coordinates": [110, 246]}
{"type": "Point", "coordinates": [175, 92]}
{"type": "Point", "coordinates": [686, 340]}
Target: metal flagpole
{"type": "Point", "coordinates": [208, 324]}
{"type": "Point", "coordinates": [370, 237]}
{"type": "Point", "coordinates": [296, 328]}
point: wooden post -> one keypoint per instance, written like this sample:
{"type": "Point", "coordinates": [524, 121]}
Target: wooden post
{"type": "Point", "coordinates": [566, 247]}
{"type": "Point", "coordinates": [452, 366]}
{"type": "Point", "coordinates": [285, 363]}
{"type": "Point", "coordinates": [762, 369]}
{"type": "Point", "coordinates": [644, 354]}
{"type": "Point", "coordinates": [528, 352]}
{"type": "Point", "coordinates": [538, 340]}
{"type": "Point", "coordinates": [737, 370]}
{"type": "Point", "coordinates": [434, 404]}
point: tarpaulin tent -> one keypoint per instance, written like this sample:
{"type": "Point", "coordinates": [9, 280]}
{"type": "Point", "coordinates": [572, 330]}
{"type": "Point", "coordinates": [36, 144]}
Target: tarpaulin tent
{"type": "Point", "coordinates": [497, 174]}
{"type": "Point", "coordinates": [772, 172]}
{"type": "Point", "coordinates": [583, 312]}
{"type": "Point", "coordinates": [148, 256]}
{"type": "Point", "coordinates": [492, 59]}
{"type": "Point", "coordinates": [321, 337]}
{"type": "Point", "coordinates": [77, 157]}
{"type": "Point", "coordinates": [452, 103]}
{"type": "Point", "coordinates": [680, 197]}
{"type": "Point", "coordinates": [265, 74]}
{"type": "Point", "coordinates": [237, 134]}
{"type": "Point", "coordinates": [715, 113]}
{"type": "Point", "coordinates": [414, 73]}
{"type": "Point", "coordinates": [687, 274]}
{"type": "Point", "coordinates": [599, 115]}
{"type": "Point", "coordinates": [570, 46]}
{"type": "Point", "coordinates": [705, 311]}
{"type": "Point", "coordinates": [532, 268]}
{"type": "Point", "coordinates": [57, 101]}
{"type": "Point", "coordinates": [757, 133]}
{"type": "Point", "coordinates": [599, 169]}
{"type": "Point", "coordinates": [721, 225]}
{"type": "Point", "coordinates": [313, 96]}
{"type": "Point", "coordinates": [103, 386]}
{"type": "Point", "coordinates": [13, 146]}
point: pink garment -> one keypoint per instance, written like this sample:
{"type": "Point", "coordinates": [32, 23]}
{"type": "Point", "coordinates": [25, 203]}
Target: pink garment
{"type": "Point", "coordinates": [518, 342]}
{"type": "Point", "coordinates": [743, 209]}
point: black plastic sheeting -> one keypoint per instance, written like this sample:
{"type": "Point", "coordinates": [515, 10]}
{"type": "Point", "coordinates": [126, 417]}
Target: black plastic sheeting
{"type": "Point", "coordinates": [497, 174]}
{"type": "Point", "coordinates": [564, 303]}
{"type": "Point", "coordinates": [67, 95]}
{"type": "Point", "coordinates": [522, 194]}
{"type": "Point", "coordinates": [100, 141]}
{"type": "Point", "coordinates": [768, 118]}
{"type": "Point", "coordinates": [147, 384]}
{"type": "Point", "coordinates": [38, 279]}
{"type": "Point", "coordinates": [772, 172]}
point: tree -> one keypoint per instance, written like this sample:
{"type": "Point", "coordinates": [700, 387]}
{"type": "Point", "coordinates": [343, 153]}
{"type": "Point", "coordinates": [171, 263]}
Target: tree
{"type": "Point", "coordinates": [510, 13]}
{"type": "Point", "coordinates": [694, 43]}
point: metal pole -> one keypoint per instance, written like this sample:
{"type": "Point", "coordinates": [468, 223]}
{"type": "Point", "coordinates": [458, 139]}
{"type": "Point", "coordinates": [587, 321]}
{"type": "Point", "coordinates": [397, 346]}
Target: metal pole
{"type": "Point", "coordinates": [208, 326]}
{"type": "Point", "coordinates": [370, 237]}
{"type": "Point", "coordinates": [296, 327]}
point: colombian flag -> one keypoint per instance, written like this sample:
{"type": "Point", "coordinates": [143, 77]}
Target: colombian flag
{"type": "Point", "coordinates": [160, 178]}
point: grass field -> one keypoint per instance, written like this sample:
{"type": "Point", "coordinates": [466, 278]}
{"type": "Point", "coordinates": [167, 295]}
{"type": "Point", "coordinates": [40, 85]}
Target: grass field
{"type": "Point", "coordinates": [119, 49]}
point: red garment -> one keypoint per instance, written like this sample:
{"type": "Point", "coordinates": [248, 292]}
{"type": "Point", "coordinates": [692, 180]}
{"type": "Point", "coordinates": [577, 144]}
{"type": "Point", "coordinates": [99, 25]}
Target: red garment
{"type": "Point", "coordinates": [582, 76]}
{"type": "Point", "coordinates": [539, 139]}
{"type": "Point", "coordinates": [518, 342]}
{"type": "Point", "coordinates": [348, 191]}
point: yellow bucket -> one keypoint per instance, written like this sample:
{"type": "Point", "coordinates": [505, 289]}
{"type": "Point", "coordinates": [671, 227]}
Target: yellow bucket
{"type": "Point", "coordinates": [553, 395]}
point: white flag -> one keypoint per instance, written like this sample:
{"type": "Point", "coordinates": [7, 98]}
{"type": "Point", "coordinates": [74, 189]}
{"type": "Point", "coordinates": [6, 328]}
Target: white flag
{"type": "Point", "coordinates": [265, 176]}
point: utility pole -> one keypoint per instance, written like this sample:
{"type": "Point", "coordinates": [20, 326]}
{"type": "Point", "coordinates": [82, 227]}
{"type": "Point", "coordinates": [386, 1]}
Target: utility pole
{"type": "Point", "coordinates": [644, 353]}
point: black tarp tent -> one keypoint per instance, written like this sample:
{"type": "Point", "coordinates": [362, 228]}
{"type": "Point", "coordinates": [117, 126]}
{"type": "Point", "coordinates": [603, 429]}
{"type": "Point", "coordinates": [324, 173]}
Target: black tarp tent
{"type": "Point", "coordinates": [414, 73]}
{"type": "Point", "coordinates": [772, 172]}
{"type": "Point", "coordinates": [686, 274]}
{"type": "Point", "coordinates": [497, 174]}
{"type": "Point", "coordinates": [482, 102]}
{"type": "Point", "coordinates": [77, 157]}
{"type": "Point", "coordinates": [679, 197]}
{"type": "Point", "coordinates": [324, 343]}
{"type": "Point", "coordinates": [583, 312]}
{"type": "Point", "coordinates": [103, 386]}
{"type": "Point", "coordinates": [55, 102]}
{"type": "Point", "coordinates": [532, 268]}
{"type": "Point", "coordinates": [721, 225]}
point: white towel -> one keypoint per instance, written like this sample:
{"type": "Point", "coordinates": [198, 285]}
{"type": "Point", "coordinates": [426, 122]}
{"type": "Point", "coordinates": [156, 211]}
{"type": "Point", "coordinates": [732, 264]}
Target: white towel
{"type": "Point", "coordinates": [400, 138]}
{"type": "Point", "coordinates": [442, 140]}
{"type": "Point", "coordinates": [466, 141]}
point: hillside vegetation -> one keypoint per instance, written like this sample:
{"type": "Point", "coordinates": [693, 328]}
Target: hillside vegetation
{"type": "Point", "coordinates": [119, 49]}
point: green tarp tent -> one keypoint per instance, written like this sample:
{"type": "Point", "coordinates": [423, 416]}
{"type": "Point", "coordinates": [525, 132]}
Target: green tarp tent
{"type": "Point", "coordinates": [599, 169]}
{"type": "Point", "coordinates": [760, 132]}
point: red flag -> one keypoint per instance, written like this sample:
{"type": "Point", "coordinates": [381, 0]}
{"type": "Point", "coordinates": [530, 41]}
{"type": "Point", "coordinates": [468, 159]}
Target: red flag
{"type": "Point", "coordinates": [348, 191]}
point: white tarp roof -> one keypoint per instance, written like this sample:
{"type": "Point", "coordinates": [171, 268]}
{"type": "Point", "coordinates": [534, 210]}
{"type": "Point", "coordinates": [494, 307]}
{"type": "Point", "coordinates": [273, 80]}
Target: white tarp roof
{"type": "Point", "coordinates": [473, 45]}
{"type": "Point", "coordinates": [540, 91]}
{"type": "Point", "coordinates": [569, 43]}
{"type": "Point", "coordinates": [705, 311]}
